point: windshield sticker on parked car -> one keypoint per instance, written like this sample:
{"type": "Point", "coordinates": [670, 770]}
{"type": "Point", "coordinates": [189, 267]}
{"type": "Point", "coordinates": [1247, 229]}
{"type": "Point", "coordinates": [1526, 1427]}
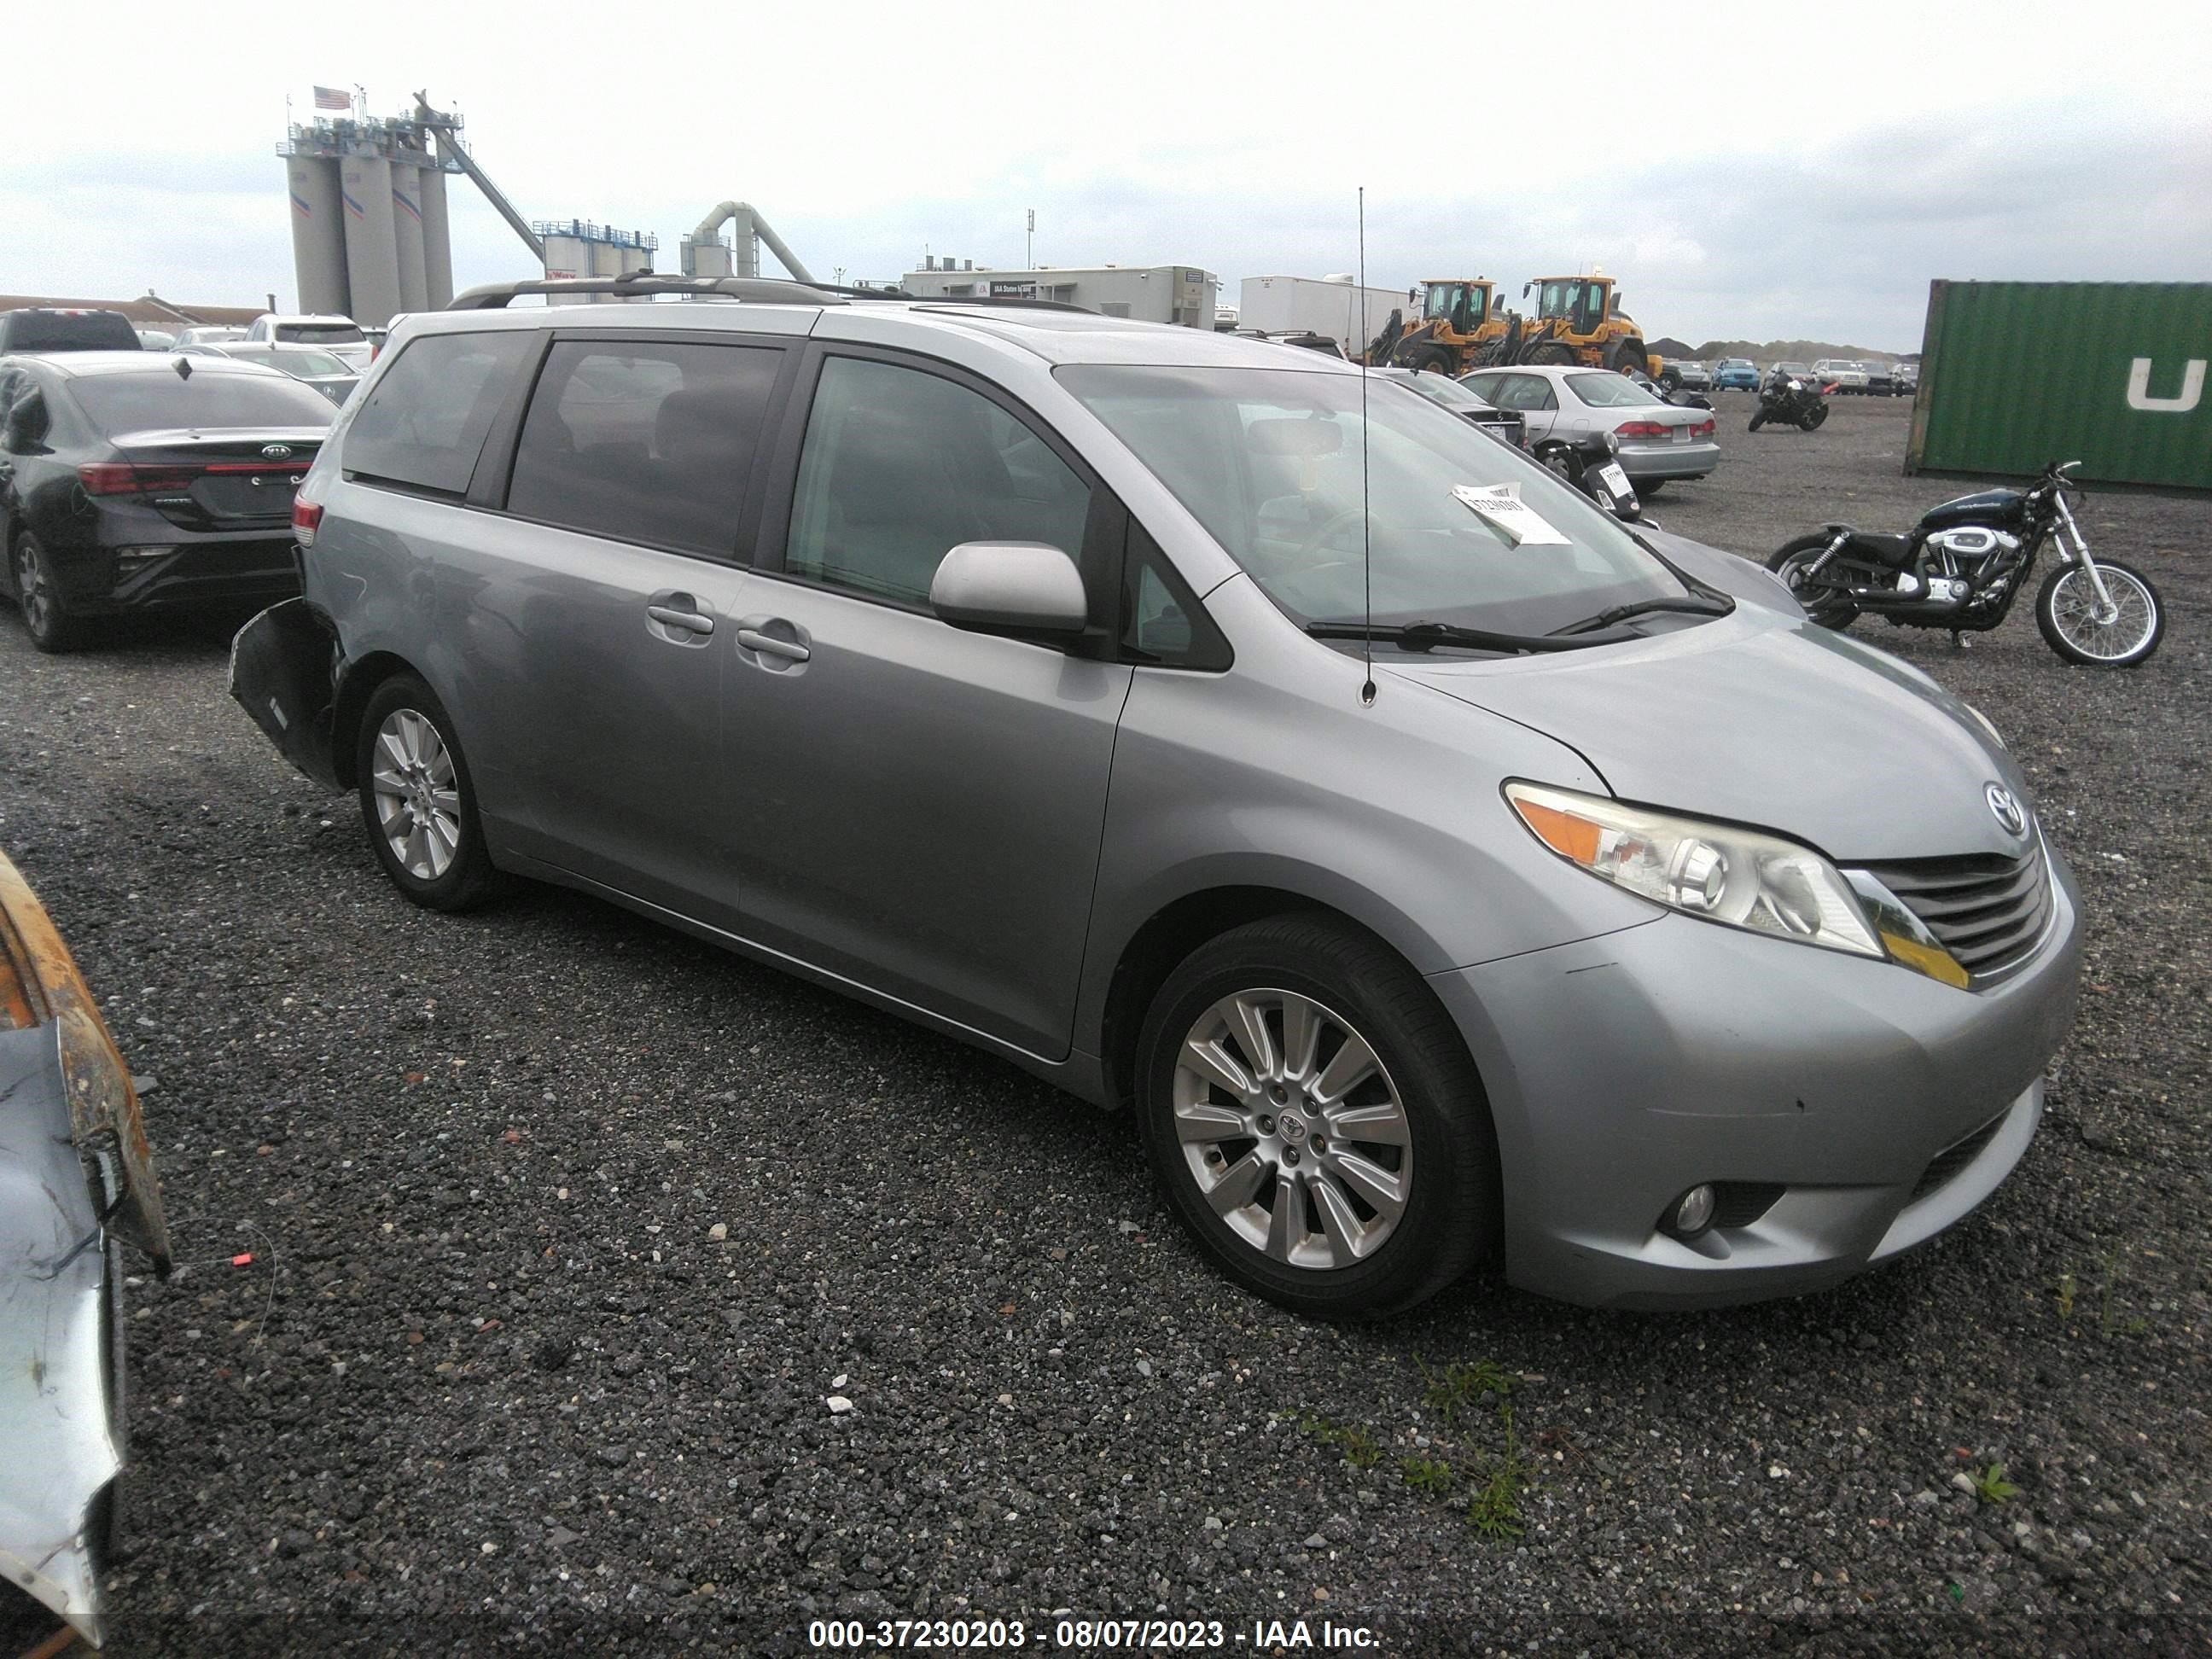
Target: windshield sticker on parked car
{"type": "Point", "coordinates": [1501, 505]}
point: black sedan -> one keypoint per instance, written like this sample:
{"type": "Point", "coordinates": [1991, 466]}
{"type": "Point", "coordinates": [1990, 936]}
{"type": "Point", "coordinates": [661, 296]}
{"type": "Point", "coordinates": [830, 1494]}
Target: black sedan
{"type": "Point", "coordinates": [131, 480]}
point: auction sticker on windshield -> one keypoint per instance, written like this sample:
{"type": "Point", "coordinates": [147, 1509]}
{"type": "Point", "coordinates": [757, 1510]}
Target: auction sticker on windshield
{"type": "Point", "coordinates": [1501, 505]}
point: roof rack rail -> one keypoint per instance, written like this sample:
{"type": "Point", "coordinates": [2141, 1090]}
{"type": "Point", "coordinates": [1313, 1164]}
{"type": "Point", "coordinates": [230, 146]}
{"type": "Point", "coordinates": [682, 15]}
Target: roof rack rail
{"type": "Point", "coordinates": [1014, 301]}
{"type": "Point", "coordinates": [495, 296]}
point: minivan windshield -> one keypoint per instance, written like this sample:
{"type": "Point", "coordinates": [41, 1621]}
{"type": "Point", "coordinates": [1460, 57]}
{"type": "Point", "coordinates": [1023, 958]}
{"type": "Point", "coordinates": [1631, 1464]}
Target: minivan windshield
{"type": "Point", "coordinates": [1270, 461]}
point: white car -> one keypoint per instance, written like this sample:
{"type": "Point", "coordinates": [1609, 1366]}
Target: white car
{"type": "Point", "coordinates": [1659, 441]}
{"type": "Point", "coordinates": [1842, 372]}
{"type": "Point", "coordinates": [272, 329]}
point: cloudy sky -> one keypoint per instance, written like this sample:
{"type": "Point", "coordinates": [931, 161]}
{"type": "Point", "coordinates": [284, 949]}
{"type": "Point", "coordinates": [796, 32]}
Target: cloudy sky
{"type": "Point", "coordinates": [1753, 171]}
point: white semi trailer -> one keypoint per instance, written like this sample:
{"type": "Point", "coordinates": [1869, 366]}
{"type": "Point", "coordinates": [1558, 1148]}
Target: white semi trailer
{"type": "Point", "coordinates": [1334, 305]}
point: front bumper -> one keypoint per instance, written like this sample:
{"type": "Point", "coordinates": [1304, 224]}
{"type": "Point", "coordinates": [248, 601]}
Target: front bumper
{"type": "Point", "coordinates": [1623, 1070]}
{"type": "Point", "coordinates": [1669, 460]}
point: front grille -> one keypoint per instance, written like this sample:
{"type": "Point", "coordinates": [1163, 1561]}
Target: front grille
{"type": "Point", "coordinates": [1957, 1156]}
{"type": "Point", "coordinates": [1986, 909]}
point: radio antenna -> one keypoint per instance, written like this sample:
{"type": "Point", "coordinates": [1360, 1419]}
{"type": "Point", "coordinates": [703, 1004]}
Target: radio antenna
{"type": "Point", "coordinates": [1366, 536]}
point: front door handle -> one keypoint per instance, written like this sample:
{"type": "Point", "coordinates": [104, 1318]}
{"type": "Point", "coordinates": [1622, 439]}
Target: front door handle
{"type": "Point", "coordinates": [691, 622]}
{"type": "Point", "coordinates": [770, 646]}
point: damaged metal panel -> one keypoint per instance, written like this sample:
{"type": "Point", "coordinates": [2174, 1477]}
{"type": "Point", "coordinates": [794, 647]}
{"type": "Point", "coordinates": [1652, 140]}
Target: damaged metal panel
{"type": "Point", "coordinates": [76, 1175]}
{"type": "Point", "coordinates": [61, 1447]}
{"type": "Point", "coordinates": [281, 674]}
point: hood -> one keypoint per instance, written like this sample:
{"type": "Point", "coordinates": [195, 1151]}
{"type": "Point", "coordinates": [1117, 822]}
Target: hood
{"type": "Point", "coordinates": [1767, 721]}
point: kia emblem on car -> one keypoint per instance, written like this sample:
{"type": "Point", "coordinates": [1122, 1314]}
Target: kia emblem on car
{"type": "Point", "coordinates": [278, 451]}
{"type": "Point", "coordinates": [2006, 809]}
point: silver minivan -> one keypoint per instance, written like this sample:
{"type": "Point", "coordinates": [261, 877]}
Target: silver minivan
{"type": "Point", "coordinates": [1441, 869]}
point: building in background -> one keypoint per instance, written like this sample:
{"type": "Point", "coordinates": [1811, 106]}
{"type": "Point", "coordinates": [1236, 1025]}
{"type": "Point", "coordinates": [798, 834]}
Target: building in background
{"type": "Point", "coordinates": [577, 248]}
{"type": "Point", "coordinates": [1335, 306]}
{"type": "Point", "coordinates": [1152, 293]}
{"type": "Point", "coordinates": [369, 236]}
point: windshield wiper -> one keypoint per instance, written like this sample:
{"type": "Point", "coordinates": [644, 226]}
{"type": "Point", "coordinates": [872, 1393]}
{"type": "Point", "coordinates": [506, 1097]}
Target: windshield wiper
{"type": "Point", "coordinates": [1427, 635]}
{"type": "Point", "coordinates": [1705, 602]}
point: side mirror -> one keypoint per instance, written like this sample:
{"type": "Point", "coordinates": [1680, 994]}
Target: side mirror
{"type": "Point", "coordinates": [1026, 587]}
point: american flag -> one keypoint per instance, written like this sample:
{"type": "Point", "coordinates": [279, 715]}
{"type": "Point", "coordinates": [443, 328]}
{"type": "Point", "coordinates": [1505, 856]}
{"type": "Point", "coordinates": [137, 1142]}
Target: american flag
{"type": "Point", "coordinates": [332, 98]}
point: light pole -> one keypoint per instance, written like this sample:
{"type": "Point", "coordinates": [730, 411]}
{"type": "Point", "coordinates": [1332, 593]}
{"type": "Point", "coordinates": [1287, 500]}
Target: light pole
{"type": "Point", "coordinates": [1029, 247]}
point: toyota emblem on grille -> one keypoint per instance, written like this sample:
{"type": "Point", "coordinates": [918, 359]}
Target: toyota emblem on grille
{"type": "Point", "coordinates": [278, 451]}
{"type": "Point", "coordinates": [2006, 809]}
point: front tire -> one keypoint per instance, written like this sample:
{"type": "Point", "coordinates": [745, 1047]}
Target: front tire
{"type": "Point", "coordinates": [45, 615]}
{"type": "Point", "coordinates": [1758, 421]}
{"type": "Point", "coordinates": [417, 800]}
{"type": "Point", "coordinates": [2066, 611]}
{"type": "Point", "coordinates": [1315, 1122]}
{"type": "Point", "coordinates": [1821, 604]}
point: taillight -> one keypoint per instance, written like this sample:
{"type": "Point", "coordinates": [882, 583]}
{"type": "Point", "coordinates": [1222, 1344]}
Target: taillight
{"type": "Point", "coordinates": [1639, 429]}
{"type": "Point", "coordinates": [1703, 429]}
{"type": "Point", "coordinates": [124, 478]}
{"type": "Point", "coordinates": [305, 517]}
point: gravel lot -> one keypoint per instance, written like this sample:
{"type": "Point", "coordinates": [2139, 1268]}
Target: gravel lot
{"type": "Point", "coordinates": [496, 1377]}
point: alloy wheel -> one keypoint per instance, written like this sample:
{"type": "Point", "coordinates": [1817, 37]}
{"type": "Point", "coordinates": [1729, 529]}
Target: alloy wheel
{"type": "Point", "coordinates": [31, 586]}
{"type": "Point", "coordinates": [1292, 1129]}
{"type": "Point", "coordinates": [2108, 633]}
{"type": "Point", "coordinates": [418, 801]}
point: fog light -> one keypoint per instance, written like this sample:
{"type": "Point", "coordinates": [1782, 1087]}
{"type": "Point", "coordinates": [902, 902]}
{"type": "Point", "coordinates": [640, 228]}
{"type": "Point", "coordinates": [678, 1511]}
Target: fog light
{"type": "Point", "coordinates": [1694, 1213]}
{"type": "Point", "coordinates": [130, 557]}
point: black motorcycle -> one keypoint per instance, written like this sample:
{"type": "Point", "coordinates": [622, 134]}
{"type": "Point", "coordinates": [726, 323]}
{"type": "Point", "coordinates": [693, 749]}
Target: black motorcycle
{"type": "Point", "coordinates": [1590, 461]}
{"type": "Point", "coordinates": [1964, 564]}
{"type": "Point", "coordinates": [1786, 400]}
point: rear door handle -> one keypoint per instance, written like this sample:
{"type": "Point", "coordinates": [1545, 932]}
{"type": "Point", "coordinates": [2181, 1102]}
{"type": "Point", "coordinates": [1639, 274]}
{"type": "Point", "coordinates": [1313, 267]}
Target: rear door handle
{"type": "Point", "coordinates": [691, 622]}
{"type": "Point", "coordinates": [770, 646]}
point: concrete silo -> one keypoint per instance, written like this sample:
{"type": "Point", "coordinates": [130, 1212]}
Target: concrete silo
{"type": "Point", "coordinates": [319, 259]}
{"type": "Point", "coordinates": [371, 246]}
{"type": "Point", "coordinates": [437, 241]}
{"type": "Point", "coordinates": [407, 170]}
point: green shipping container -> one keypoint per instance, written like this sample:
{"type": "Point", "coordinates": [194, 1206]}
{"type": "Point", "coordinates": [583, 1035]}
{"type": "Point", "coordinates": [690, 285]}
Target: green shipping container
{"type": "Point", "coordinates": [2014, 374]}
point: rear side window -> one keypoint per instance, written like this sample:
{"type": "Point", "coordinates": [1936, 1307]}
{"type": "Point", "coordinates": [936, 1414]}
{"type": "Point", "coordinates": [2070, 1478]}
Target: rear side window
{"type": "Point", "coordinates": [645, 442]}
{"type": "Point", "coordinates": [901, 466]}
{"type": "Point", "coordinates": [425, 423]}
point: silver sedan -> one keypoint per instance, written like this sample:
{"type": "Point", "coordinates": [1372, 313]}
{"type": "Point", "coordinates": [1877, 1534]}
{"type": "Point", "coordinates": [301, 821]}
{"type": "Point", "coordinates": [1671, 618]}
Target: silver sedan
{"type": "Point", "coordinates": [1660, 442]}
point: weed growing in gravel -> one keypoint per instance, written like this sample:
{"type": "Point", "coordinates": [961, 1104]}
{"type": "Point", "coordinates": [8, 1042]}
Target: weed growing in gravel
{"type": "Point", "coordinates": [1494, 1511]}
{"type": "Point", "coordinates": [2065, 1296]}
{"type": "Point", "coordinates": [1453, 1393]}
{"type": "Point", "coordinates": [1991, 1487]}
{"type": "Point", "coordinates": [1354, 1441]}
{"type": "Point", "coordinates": [1429, 1476]}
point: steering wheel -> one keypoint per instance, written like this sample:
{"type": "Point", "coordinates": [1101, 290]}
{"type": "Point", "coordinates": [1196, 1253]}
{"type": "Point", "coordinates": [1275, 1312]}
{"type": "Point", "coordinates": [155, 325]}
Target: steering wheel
{"type": "Point", "coordinates": [1311, 545]}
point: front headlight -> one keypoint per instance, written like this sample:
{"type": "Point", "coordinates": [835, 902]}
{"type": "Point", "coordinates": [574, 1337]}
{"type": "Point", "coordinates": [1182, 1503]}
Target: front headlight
{"type": "Point", "coordinates": [1714, 871]}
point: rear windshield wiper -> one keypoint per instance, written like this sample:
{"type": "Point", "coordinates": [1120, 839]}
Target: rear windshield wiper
{"type": "Point", "coordinates": [1427, 635]}
{"type": "Point", "coordinates": [1706, 602]}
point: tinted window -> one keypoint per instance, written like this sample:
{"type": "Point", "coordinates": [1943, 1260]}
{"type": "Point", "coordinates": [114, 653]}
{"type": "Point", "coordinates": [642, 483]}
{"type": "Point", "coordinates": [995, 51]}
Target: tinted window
{"type": "Point", "coordinates": [901, 467]}
{"type": "Point", "coordinates": [139, 402]}
{"type": "Point", "coordinates": [61, 331]}
{"type": "Point", "coordinates": [650, 443]}
{"type": "Point", "coordinates": [425, 422]}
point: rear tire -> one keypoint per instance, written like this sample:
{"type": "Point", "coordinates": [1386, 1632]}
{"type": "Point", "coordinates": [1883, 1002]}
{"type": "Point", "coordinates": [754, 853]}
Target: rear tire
{"type": "Point", "coordinates": [2064, 612]}
{"type": "Point", "coordinates": [1337, 1200]}
{"type": "Point", "coordinates": [418, 799]}
{"type": "Point", "coordinates": [45, 615]}
{"type": "Point", "coordinates": [1830, 612]}
{"type": "Point", "coordinates": [1814, 416]}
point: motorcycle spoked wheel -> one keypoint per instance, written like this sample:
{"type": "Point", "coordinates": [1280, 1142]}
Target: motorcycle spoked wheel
{"type": "Point", "coordinates": [1823, 603]}
{"type": "Point", "coordinates": [2066, 614]}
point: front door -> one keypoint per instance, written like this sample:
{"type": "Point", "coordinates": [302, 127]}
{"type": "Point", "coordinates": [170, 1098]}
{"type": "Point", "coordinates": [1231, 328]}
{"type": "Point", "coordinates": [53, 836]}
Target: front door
{"type": "Point", "coordinates": [917, 807]}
